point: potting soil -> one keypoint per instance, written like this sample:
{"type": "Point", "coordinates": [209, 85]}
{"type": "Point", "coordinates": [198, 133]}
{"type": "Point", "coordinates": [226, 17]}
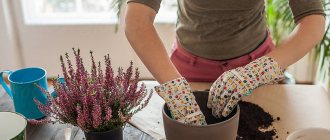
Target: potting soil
{"type": "Point", "coordinates": [255, 123]}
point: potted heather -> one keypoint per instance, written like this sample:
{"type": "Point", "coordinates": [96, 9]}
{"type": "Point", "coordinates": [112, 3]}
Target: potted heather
{"type": "Point", "coordinates": [99, 102]}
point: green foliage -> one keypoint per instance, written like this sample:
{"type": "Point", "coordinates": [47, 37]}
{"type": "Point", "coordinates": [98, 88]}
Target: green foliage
{"type": "Point", "coordinates": [117, 5]}
{"type": "Point", "coordinates": [279, 18]}
{"type": "Point", "coordinates": [280, 23]}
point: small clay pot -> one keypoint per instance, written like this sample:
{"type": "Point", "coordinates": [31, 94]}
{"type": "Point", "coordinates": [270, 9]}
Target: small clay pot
{"type": "Point", "coordinates": [217, 129]}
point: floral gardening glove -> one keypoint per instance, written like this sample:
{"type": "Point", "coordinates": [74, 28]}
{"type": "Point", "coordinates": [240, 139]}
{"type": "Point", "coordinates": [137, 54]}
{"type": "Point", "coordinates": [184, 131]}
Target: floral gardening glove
{"type": "Point", "coordinates": [181, 102]}
{"type": "Point", "coordinates": [228, 89]}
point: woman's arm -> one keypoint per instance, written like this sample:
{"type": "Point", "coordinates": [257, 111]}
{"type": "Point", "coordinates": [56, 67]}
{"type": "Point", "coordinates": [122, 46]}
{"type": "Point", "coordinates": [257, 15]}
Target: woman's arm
{"type": "Point", "coordinates": [145, 41]}
{"type": "Point", "coordinates": [308, 32]}
{"type": "Point", "coordinates": [239, 82]}
{"type": "Point", "coordinates": [174, 89]}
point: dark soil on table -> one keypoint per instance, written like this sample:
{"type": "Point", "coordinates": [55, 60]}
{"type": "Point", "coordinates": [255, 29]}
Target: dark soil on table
{"type": "Point", "coordinates": [255, 123]}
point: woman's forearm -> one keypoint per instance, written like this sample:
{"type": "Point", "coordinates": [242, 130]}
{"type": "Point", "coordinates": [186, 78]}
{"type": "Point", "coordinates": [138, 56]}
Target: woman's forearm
{"type": "Point", "coordinates": [308, 32]}
{"type": "Point", "coordinates": [145, 41]}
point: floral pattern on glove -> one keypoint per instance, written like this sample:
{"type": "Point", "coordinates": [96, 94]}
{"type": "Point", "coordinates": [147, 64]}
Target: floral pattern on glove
{"type": "Point", "coordinates": [181, 102]}
{"type": "Point", "coordinates": [228, 89]}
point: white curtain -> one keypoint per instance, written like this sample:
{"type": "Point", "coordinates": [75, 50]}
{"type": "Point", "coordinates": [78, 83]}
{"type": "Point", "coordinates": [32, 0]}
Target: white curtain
{"type": "Point", "coordinates": [10, 56]}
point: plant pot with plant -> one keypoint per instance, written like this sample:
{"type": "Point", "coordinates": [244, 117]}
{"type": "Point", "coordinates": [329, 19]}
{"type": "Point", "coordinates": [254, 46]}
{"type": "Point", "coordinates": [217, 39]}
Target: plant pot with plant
{"type": "Point", "coordinates": [217, 128]}
{"type": "Point", "coordinates": [99, 102]}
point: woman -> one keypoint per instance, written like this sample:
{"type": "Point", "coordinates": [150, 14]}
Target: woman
{"type": "Point", "coordinates": [221, 41]}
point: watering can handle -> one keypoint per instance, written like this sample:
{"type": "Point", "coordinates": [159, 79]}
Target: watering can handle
{"type": "Point", "coordinates": [3, 83]}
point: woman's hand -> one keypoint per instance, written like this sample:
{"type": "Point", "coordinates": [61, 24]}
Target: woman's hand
{"type": "Point", "coordinates": [181, 102]}
{"type": "Point", "coordinates": [228, 89]}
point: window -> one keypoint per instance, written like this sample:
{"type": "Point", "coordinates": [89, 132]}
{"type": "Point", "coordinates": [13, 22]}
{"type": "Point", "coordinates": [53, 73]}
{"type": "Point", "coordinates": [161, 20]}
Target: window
{"type": "Point", "coordinates": [83, 12]}
{"type": "Point", "coordinates": [68, 11]}
{"type": "Point", "coordinates": [167, 12]}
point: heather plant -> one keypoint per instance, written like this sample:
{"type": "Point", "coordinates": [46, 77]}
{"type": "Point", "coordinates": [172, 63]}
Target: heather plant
{"type": "Point", "coordinates": [97, 100]}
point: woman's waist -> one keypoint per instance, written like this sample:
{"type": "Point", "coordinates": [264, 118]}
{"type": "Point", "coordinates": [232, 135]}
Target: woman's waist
{"type": "Point", "coordinates": [221, 48]}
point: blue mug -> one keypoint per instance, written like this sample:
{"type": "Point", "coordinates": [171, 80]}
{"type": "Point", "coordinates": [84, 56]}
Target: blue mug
{"type": "Point", "coordinates": [23, 90]}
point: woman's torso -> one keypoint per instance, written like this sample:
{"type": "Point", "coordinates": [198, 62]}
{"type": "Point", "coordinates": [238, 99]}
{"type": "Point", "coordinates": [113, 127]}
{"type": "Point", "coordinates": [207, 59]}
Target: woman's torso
{"type": "Point", "coordinates": [225, 29]}
{"type": "Point", "coordinates": [221, 29]}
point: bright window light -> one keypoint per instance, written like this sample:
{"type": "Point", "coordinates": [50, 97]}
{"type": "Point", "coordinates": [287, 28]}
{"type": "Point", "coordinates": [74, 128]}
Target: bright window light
{"type": "Point", "coordinates": [167, 12]}
{"type": "Point", "coordinates": [68, 12]}
{"type": "Point", "coordinates": [48, 12]}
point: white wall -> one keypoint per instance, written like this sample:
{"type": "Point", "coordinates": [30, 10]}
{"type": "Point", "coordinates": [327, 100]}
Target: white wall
{"type": "Point", "coordinates": [304, 70]}
{"type": "Point", "coordinates": [42, 45]}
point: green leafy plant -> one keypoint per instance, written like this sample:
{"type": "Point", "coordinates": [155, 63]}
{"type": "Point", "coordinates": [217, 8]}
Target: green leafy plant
{"type": "Point", "coordinates": [279, 18]}
{"type": "Point", "coordinates": [280, 23]}
{"type": "Point", "coordinates": [117, 7]}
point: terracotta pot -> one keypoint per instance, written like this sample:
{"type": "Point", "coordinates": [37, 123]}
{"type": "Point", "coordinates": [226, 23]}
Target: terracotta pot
{"type": "Point", "coordinates": [115, 134]}
{"type": "Point", "coordinates": [217, 129]}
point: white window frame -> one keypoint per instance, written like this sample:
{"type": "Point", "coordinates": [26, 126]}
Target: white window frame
{"type": "Point", "coordinates": [32, 18]}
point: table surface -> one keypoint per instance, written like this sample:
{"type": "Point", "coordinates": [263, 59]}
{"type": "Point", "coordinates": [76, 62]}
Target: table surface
{"type": "Point", "coordinates": [299, 106]}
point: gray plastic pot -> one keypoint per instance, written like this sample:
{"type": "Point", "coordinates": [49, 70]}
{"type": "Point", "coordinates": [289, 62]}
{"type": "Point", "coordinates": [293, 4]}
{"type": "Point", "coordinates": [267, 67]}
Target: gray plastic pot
{"type": "Point", "coordinates": [217, 129]}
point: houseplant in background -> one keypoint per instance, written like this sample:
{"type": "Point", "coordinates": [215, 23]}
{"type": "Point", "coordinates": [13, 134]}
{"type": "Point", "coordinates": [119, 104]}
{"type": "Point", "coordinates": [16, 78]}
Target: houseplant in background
{"type": "Point", "coordinates": [99, 102]}
{"type": "Point", "coordinates": [280, 23]}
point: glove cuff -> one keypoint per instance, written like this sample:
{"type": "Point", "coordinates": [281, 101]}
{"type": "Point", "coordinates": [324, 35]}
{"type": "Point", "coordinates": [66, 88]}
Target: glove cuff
{"type": "Point", "coordinates": [174, 89]}
{"type": "Point", "coordinates": [264, 70]}
{"type": "Point", "coordinates": [181, 102]}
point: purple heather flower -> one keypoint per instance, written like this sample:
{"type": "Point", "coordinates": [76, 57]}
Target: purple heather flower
{"type": "Point", "coordinates": [97, 112]}
{"type": "Point", "coordinates": [95, 101]}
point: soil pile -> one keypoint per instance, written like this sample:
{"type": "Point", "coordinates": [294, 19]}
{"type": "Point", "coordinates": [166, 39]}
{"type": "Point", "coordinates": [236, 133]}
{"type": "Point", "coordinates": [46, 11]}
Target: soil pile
{"type": "Point", "coordinates": [255, 123]}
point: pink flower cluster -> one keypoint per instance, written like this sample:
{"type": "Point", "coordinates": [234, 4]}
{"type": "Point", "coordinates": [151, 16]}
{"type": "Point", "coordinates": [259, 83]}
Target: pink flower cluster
{"type": "Point", "coordinates": [95, 101]}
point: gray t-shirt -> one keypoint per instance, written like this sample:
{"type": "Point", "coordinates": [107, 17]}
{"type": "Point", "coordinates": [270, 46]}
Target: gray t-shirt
{"type": "Point", "coordinates": [224, 29]}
